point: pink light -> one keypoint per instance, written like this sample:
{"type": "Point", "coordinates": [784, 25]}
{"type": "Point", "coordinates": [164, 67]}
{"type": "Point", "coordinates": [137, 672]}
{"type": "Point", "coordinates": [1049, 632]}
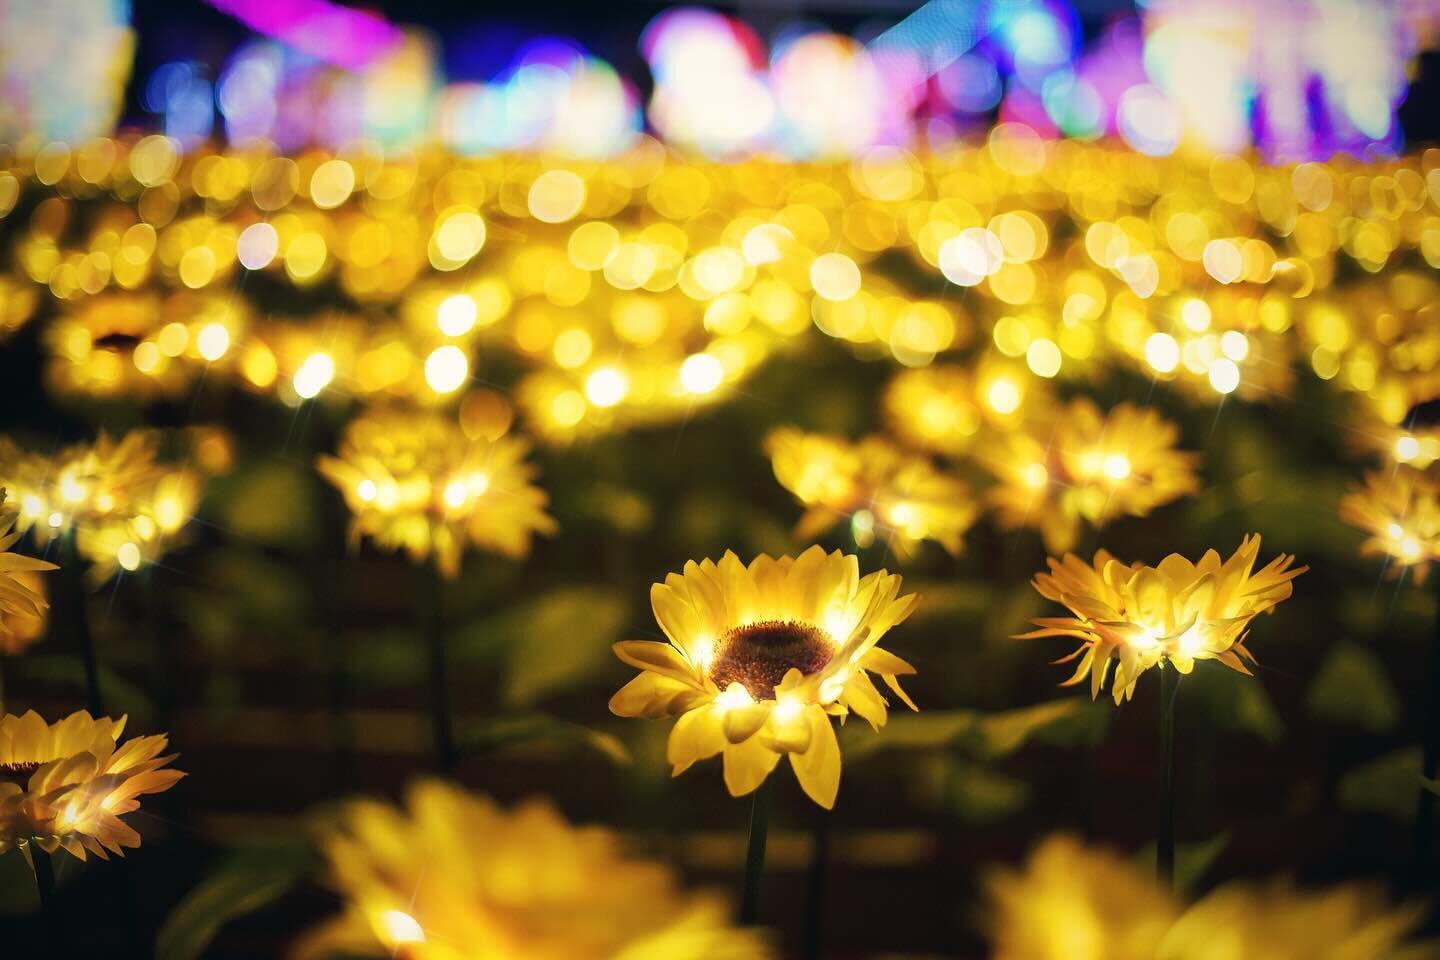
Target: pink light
{"type": "Point", "coordinates": [351, 39]}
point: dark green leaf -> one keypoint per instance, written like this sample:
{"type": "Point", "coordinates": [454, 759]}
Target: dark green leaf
{"type": "Point", "coordinates": [539, 730]}
{"type": "Point", "coordinates": [1386, 785]}
{"type": "Point", "coordinates": [1353, 688]}
{"type": "Point", "coordinates": [246, 880]}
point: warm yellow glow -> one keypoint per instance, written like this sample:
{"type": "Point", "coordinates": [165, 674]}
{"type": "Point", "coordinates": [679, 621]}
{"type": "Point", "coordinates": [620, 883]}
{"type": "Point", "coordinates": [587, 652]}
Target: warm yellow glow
{"type": "Point", "coordinates": [1043, 357]}
{"type": "Point", "coordinates": [457, 315]}
{"type": "Point", "coordinates": [72, 490]}
{"type": "Point", "coordinates": [607, 386]}
{"type": "Point", "coordinates": [213, 341]}
{"type": "Point", "coordinates": [397, 928]}
{"type": "Point", "coordinates": [787, 710]}
{"type": "Point", "coordinates": [1036, 475]}
{"type": "Point", "coordinates": [365, 490]}
{"type": "Point", "coordinates": [446, 368]}
{"type": "Point", "coordinates": [128, 556]}
{"type": "Point", "coordinates": [455, 494]}
{"type": "Point", "coordinates": [1407, 448]}
{"type": "Point", "coordinates": [734, 697]}
{"type": "Point", "coordinates": [1117, 466]}
{"type": "Point", "coordinates": [701, 373]}
{"type": "Point", "coordinates": [1224, 375]}
{"type": "Point", "coordinates": [1162, 352]}
{"type": "Point", "coordinates": [1003, 396]}
{"type": "Point", "coordinates": [314, 375]}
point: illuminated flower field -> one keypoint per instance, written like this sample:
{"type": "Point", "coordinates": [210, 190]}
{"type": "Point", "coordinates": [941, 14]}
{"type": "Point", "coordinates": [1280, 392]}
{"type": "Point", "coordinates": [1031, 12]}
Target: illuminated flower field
{"type": "Point", "coordinates": [678, 484]}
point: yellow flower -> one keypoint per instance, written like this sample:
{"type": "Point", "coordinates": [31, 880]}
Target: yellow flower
{"type": "Point", "coordinates": [1279, 922]}
{"type": "Point", "coordinates": [22, 597]}
{"type": "Point", "coordinates": [875, 484]}
{"type": "Point", "coordinates": [1070, 902]}
{"type": "Point", "coordinates": [66, 785]}
{"type": "Point", "coordinates": [760, 658]}
{"type": "Point", "coordinates": [933, 408]}
{"type": "Point", "coordinates": [1074, 903]}
{"type": "Point", "coordinates": [1085, 466]}
{"type": "Point", "coordinates": [415, 481]}
{"type": "Point", "coordinates": [1400, 509]}
{"type": "Point", "coordinates": [1138, 616]}
{"type": "Point", "coordinates": [456, 877]}
{"type": "Point", "coordinates": [124, 506]}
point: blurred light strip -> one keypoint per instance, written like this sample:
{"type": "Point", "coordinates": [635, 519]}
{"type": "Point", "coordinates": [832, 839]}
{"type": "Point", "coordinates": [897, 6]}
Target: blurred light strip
{"type": "Point", "coordinates": [936, 35]}
{"type": "Point", "coordinates": [350, 39]}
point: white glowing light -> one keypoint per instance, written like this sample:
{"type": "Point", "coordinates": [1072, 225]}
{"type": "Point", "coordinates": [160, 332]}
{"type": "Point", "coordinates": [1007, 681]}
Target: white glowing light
{"type": "Point", "coordinates": [701, 373]}
{"type": "Point", "coordinates": [607, 386]}
{"type": "Point", "coordinates": [455, 494]}
{"type": "Point", "coordinates": [1224, 375]}
{"type": "Point", "coordinates": [446, 369]}
{"type": "Point", "coordinates": [213, 341]}
{"type": "Point", "coordinates": [1407, 448]}
{"type": "Point", "coordinates": [457, 315]}
{"type": "Point", "coordinates": [787, 710]}
{"type": "Point", "coordinates": [1117, 466]}
{"type": "Point", "coordinates": [734, 697]}
{"type": "Point", "coordinates": [365, 490]}
{"type": "Point", "coordinates": [314, 375]}
{"type": "Point", "coordinates": [1162, 352]}
{"type": "Point", "coordinates": [397, 927]}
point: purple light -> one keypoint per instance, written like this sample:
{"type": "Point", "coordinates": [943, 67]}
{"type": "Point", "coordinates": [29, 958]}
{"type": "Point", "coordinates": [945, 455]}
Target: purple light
{"type": "Point", "coordinates": [345, 38]}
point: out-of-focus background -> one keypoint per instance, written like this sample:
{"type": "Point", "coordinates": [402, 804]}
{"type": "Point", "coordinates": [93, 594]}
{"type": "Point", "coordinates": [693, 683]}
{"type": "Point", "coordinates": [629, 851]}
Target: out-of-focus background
{"type": "Point", "coordinates": [286, 663]}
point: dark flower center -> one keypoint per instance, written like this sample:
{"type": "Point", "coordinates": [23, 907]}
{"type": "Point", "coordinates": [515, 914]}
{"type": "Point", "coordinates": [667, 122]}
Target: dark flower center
{"type": "Point", "coordinates": [758, 655]}
{"type": "Point", "coordinates": [18, 772]}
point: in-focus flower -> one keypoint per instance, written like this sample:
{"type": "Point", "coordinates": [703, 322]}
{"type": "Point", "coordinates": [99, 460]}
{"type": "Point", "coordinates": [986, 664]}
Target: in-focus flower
{"type": "Point", "coordinates": [875, 485]}
{"type": "Point", "coordinates": [760, 658]}
{"type": "Point", "coordinates": [1400, 509]}
{"type": "Point", "coordinates": [1087, 466]}
{"type": "Point", "coordinates": [1070, 902]}
{"type": "Point", "coordinates": [66, 785]}
{"type": "Point", "coordinates": [454, 875]}
{"type": "Point", "coordinates": [1136, 616]}
{"type": "Point", "coordinates": [414, 481]}
{"type": "Point", "coordinates": [22, 597]}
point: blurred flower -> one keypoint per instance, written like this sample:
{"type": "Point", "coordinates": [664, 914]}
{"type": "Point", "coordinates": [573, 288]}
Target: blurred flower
{"type": "Point", "coordinates": [1400, 509]}
{"type": "Point", "coordinates": [1177, 612]}
{"type": "Point", "coordinates": [1087, 466]}
{"type": "Point", "coordinates": [414, 481]}
{"type": "Point", "coordinates": [22, 596]}
{"type": "Point", "coordinates": [1074, 903]}
{"type": "Point", "coordinates": [456, 876]}
{"type": "Point", "coordinates": [121, 503]}
{"type": "Point", "coordinates": [1070, 902]}
{"type": "Point", "coordinates": [760, 658]}
{"type": "Point", "coordinates": [66, 785]}
{"type": "Point", "coordinates": [875, 484]}
{"type": "Point", "coordinates": [934, 408]}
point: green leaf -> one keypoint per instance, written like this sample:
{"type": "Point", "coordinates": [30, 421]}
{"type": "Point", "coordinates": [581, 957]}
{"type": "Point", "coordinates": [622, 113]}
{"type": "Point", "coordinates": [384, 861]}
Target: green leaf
{"type": "Point", "coordinates": [987, 735]}
{"type": "Point", "coordinates": [247, 880]}
{"type": "Point", "coordinates": [551, 643]}
{"type": "Point", "coordinates": [274, 503]}
{"type": "Point", "coordinates": [540, 730]}
{"type": "Point", "coordinates": [1352, 688]}
{"type": "Point", "coordinates": [120, 695]}
{"type": "Point", "coordinates": [1386, 785]}
{"type": "Point", "coordinates": [1192, 860]}
{"type": "Point", "coordinates": [981, 795]}
{"type": "Point", "coordinates": [17, 884]}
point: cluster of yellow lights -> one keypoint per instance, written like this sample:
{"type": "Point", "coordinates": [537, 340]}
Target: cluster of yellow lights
{"type": "Point", "coordinates": [633, 288]}
{"type": "Point", "coordinates": [123, 505]}
{"type": "Point", "coordinates": [1399, 509]}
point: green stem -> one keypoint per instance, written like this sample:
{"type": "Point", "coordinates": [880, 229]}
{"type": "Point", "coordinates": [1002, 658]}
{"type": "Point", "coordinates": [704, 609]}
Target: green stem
{"type": "Point", "coordinates": [1425, 806]}
{"type": "Point", "coordinates": [755, 856]}
{"type": "Point", "coordinates": [1165, 838]}
{"type": "Point", "coordinates": [815, 904]}
{"type": "Point", "coordinates": [44, 878]}
{"type": "Point", "coordinates": [72, 580]}
{"type": "Point", "coordinates": [432, 616]}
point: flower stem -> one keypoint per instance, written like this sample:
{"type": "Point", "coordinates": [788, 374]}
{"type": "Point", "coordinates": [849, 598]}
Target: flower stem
{"type": "Point", "coordinates": [1165, 837]}
{"type": "Point", "coordinates": [72, 581]}
{"type": "Point", "coordinates": [815, 906]}
{"type": "Point", "coordinates": [755, 857]}
{"type": "Point", "coordinates": [44, 877]}
{"type": "Point", "coordinates": [431, 610]}
{"type": "Point", "coordinates": [1425, 807]}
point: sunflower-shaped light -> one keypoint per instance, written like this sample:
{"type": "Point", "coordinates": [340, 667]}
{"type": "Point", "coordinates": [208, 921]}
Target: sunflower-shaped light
{"type": "Point", "coordinates": [1136, 616]}
{"type": "Point", "coordinates": [22, 597]}
{"type": "Point", "coordinates": [66, 785]}
{"type": "Point", "coordinates": [415, 481]}
{"type": "Point", "coordinates": [1085, 466]}
{"type": "Point", "coordinates": [1400, 509]}
{"type": "Point", "coordinates": [760, 658]}
{"type": "Point", "coordinates": [879, 488]}
{"type": "Point", "coordinates": [1070, 902]}
{"type": "Point", "coordinates": [455, 875]}
{"type": "Point", "coordinates": [934, 408]}
{"type": "Point", "coordinates": [123, 505]}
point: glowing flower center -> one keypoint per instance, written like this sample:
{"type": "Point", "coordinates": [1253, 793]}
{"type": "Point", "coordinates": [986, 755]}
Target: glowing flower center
{"type": "Point", "coordinates": [18, 772]}
{"type": "Point", "coordinates": [758, 655]}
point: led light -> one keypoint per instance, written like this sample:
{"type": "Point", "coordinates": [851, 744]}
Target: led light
{"type": "Point", "coordinates": [128, 556]}
{"type": "Point", "coordinates": [314, 375]}
{"type": "Point", "coordinates": [607, 386]}
{"type": "Point", "coordinates": [446, 369]}
{"type": "Point", "coordinates": [701, 373]}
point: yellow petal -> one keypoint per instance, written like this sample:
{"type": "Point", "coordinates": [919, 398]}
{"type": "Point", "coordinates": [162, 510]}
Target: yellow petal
{"type": "Point", "coordinates": [742, 723]}
{"type": "Point", "coordinates": [697, 735]}
{"type": "Point", "coordinates": [747, 765]}
{"type": "Point", "coordinates": [658, 657]}
{"type": "Point", "coordinates": [651, 695]}
{"type": "Point", "coordinates": [818, 769]}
